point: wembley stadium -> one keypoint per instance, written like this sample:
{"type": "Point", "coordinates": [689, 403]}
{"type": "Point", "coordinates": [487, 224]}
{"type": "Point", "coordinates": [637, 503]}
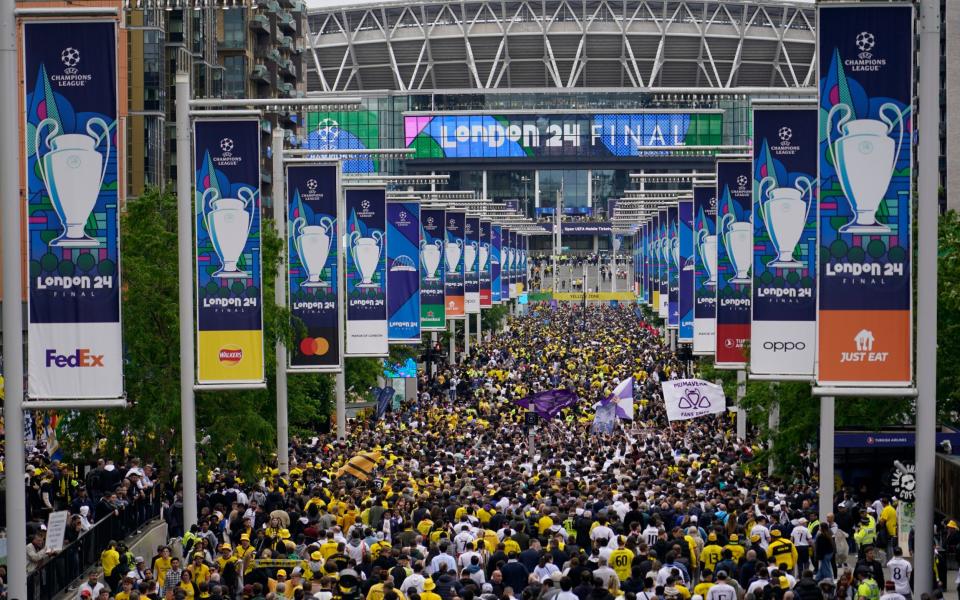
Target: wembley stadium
{"type": "Point", "coordinates": [519, 100]}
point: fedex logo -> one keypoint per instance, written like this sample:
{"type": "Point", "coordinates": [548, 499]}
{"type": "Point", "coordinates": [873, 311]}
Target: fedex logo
{"type": "Point", "coordinates": [81, 357]}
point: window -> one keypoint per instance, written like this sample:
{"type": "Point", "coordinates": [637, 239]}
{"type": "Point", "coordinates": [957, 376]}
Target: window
{"type": "Point", "coordinates": [234, 31]}
{"type": "Point", "coordinates": [235, 75]}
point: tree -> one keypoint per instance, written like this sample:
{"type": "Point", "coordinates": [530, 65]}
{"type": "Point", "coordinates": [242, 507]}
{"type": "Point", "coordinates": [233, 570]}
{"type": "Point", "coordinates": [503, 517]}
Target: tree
{"type": "Point", "coordinates": [241, 425]}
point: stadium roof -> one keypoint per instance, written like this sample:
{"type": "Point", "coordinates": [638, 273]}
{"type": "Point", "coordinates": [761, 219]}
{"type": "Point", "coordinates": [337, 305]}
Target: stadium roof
{"type": "Point", "coordinates": [415, 45]}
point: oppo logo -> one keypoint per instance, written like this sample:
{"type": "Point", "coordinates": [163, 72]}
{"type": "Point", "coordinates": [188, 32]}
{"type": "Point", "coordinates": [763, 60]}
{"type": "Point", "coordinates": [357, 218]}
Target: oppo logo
{"type": "Point", "coordinates": [784, 346]}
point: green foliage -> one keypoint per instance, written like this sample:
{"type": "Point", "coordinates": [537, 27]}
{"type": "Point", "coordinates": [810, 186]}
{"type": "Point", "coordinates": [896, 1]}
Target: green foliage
{"type": "Point", "coordinates": [948, 318]}
{"type": "Point", "coordinates": [236, 427]}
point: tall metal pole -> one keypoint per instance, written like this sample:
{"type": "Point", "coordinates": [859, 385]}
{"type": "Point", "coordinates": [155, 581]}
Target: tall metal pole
{"type": "Point", "coordinates": [341, 391]}
{"type": "Point", "coordinates": [928, 151]}
{"type": "Point", "coordinates": [188, 418]}
{"type": "Point", "coordinates": [773, 423]}
{"type": "Point", "coordinates": [556, 237]}
{"type": "Point", "coordinates": [826, 457]}
{"type": "Point", "coordinates": [16, 500]}
{"type": "Point", "coordinates": [466, 335]}
{"type": "Point", "coordinates": [452, 328]}
{"type": "Point", "coordinates": [479, 333]}
{"type": "Point", "coordinates": [279, 296]}
{"type": "Point", "coordinates": [741, 414]}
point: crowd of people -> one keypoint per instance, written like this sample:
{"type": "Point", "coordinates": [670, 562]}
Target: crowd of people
{"type": "Point", "coordinates": [467, 503]}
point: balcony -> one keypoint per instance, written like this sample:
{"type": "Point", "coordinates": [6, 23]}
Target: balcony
{"type": "Point", "coordinates": [274, 55]}
{"type": "Point", "coordinates": [260, 73]}
{"type": "Point", "coordinates": [272, 6]}
{"type": "Point", "coordinates": [287, 22]}
{"type": "Point", "coordinates": [286, 90]}
{"type": "Point", "coordinates": [299, 7]}
{"type": "Point", "coordinates": [289, 69]}
{"type": "Point", "coordinates": [285, 42]}
{"type": "Point", "coordinates": [260, 24]}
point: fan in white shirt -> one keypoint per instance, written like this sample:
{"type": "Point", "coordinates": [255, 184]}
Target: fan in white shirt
{"type": "Point", "coordinates": [900, 571]}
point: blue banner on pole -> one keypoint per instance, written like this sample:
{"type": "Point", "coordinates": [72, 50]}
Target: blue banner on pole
{"type": "Point", "coordinates": [228, 258]}
{"type": "Point", "coordinates": [471, 259]}
{"type": "Point", "coordinates": [496, 274]}
{"type": "Point", "coordinates": [866, 65]}
{"type": "Point", "coordinates": [734, 261]}
{"type": "Point", "coordinates": [685, 227]}
{"type": "Point", "coordinates": [673, 269]}
{"type": "Point", "coordinates": [312, 273]}
{"type": "Point", "coordinates": [783, 329]}
{"type": "Point", "coordinates": [432, 269]}
{"type": "Point", "coordinates": [705, 269]}
{"type": "Point", "coordinates": [72, 200]}
{"type": "Point", "coordinates": [454, 250]}
{"type": "Point", "coordinates": [403, 273]}
{"type": "Point", "coordinates": [483, 259]}
{"type": "Point", "coordinates": [366, 212]}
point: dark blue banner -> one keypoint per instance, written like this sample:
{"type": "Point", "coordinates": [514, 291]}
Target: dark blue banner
{"type": "Point", "coordinates": [471, 260]}
{"type": "Point", "coordinates": [505, 264]}
{"type": "Point", "coordinates": [483, 259]}
{"type": "Point", "coordinates": [663, 270]}
{"type": "Point", "coordinates": [685, 225]}
{"type": "Point", "coordinates": [312, 273]}
{"type": "Point", "coordinates": [432, 271]}
{"type": "Point", "coordinates": [454, 250]}
{"type": "Point", "coordinates": [866, 65]}
{"type": "Point", "coordinates": [71, 126]}
{"type": "Point", "coordinates": [366, 210]}
{"type": "Point", "coordinates": [734, 261]}
{"type": "Point", "coordinates": [229, 284]}
{"type": "Point", "coordinates": [783, 332]}
{"type": "Point", "coordinates": [705, 268]}
{"type": "Point", "coordinates": [673, 269]}
{"type": "Point", "coordinates": [496, 283]}
{"type": "Point", "coordinates": [403, 273]}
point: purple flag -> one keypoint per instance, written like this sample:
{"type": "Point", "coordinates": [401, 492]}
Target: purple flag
{"type": "Point", "coordinates": [549, 404]}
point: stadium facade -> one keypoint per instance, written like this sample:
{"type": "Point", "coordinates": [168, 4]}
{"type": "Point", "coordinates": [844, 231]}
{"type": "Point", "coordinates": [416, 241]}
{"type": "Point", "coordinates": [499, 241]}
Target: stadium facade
{"type": "Point", "coordinates": [520, 99]}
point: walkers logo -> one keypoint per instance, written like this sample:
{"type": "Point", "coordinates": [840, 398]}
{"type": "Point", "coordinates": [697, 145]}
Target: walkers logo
{"type": "Point", "coordinates": [81, 357]}
{"type": "Point", "coordinates": [230, 355]}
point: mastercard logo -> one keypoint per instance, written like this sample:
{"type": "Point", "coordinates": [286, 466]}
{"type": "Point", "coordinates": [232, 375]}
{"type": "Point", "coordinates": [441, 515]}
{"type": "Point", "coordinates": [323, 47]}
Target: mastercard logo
{"type": "Point", "coordinates": [230, 355]}
{"type": "Point", "coordinates": [314, 346]}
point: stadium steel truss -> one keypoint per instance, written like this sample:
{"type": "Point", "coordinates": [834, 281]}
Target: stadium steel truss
{"type": "Point", "coordinates": [411, 45]}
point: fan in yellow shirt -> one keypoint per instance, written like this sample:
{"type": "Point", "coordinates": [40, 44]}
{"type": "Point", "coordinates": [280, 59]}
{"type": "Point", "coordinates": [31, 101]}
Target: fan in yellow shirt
{"type": "Point", "coordinates": [621, 560]}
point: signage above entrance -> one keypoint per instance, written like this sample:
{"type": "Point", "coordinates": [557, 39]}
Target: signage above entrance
{"type": "Point", "coordinates": [545, 135]}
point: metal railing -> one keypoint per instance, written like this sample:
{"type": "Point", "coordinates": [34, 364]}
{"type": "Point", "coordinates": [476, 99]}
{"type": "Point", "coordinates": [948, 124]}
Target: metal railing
{"type": "Point", "coordinates": [59, 571]}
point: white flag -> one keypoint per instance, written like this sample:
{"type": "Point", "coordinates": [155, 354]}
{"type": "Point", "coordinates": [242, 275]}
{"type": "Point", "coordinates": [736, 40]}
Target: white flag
{"type": "Point", "coordinates": [692, 398]}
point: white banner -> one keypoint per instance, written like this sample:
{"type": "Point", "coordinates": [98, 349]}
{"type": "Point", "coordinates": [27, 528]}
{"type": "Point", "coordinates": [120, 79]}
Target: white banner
{"type": "Point", "coordinates": [56, 530]}
{"type": "Point", "coordinates": [692, 398]}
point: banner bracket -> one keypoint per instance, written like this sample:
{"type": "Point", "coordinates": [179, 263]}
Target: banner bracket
{"type": "Point", "coordinates": [882, 392]}
{"type": "Point", "coordinates": [75, 404]}
{"type": "Point", "coordinates": [226, 387]}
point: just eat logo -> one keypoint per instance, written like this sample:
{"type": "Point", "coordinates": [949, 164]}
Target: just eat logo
{"type": "Point", "coordinates": [81, 357]}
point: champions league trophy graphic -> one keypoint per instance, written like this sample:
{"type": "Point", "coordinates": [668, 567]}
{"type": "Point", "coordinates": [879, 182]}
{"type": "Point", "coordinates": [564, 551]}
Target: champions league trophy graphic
{"type": "Point", "coordinates": [313, 246]}
{"type": "Point", "coordinates": [865, 157]}
{"type": "Point", "coordinates": [454, 249]}
{"type": "Point", "coordinates": [228, 222]}
{"type": "Point", "coordinates": [73, 173]}
{"type": "Point", "coordinates": [484, 255]}
{"type": "Point", "coordinates": [738, 240]}
{"type": "Point", "coordinates": [785, 215]}
{"type": "Point", "coordinates": [430, 255]}
{"type": "Point", "coordinates": [675, 252]}
{"type": "Point", "coordinates": [707, 245]}
{"type": "Point", "coordinates": [366, 254]}
{"type": "Point", "coordinates": [469, 257]}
